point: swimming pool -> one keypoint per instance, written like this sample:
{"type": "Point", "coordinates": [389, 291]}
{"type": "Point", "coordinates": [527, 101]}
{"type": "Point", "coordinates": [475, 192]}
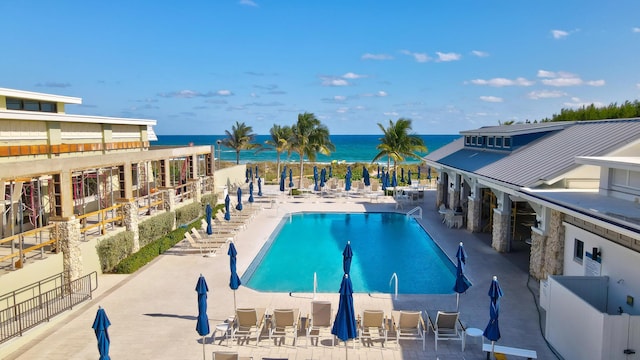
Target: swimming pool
{"type": "Point", "coordinates": [382, 243]}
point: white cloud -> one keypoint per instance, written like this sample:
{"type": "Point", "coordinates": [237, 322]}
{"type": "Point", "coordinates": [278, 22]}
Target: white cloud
{"type": "Point", "coordinates": [500, 82]}
{"type": "Point", "coordinates": [381, 93]}
{"type": "Point", "coordinates": [419, 57]}
{"type": "Point", "coordinates": [545, 94]}
{"type": "Point", "coordinates": [546, 74]}
{"type": "Point", "coordinates": [391, 113]}
{"type": "Point", "coordinates": [444, 57]}
{"type": "Point", "coordinates": [189, 94]}
{"type": "Point", "coordinates": [596, 83]}
{"type": "Point", "coordinates": [577, 102]}
{"type": "Point", "coordinates": [224, 92]}
{"type": "Point", "coordinates": [332, 81]}
{"type": "Point", "coordinates": [248, 3]}
{"type": "Point", "coordinates": [351, 75]}
{"type": "Point", "coordinates": [563, 81]}
{"type": "Point", "coordinates": [369, 56]}
{"type": "Point", "coordinates": [636, 29]}
{"type": "Point", "coordinates": [559, 34]}
{"type": "Point", "coordinates": [342, 110]}
{"type": "Point", "coordinates": [376, 94]}
{"type": "Point", "coordinates": [479, 53]}
{"type": "Point", "coordinates": [492, 99]}
{"type": "Point", "coordinates": [562, 78]}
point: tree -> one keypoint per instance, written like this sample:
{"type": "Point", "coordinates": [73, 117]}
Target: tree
{"type": "Point", "coordinates": [397, 143]}
{"type": "Point", "coordinates": [280, 136]}
{"type": "Point", "coordinates": [239, 138]}
{"type": "Point", "coordinates": [308, 138]}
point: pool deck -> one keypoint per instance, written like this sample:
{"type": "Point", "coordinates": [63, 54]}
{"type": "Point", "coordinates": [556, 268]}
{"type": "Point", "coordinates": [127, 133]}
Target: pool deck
{"type": "Point", "coordinates": [153, 312]}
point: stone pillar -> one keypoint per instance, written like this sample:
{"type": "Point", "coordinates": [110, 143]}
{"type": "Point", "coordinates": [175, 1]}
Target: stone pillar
{"type": "Point", "coordinates": [554, 251]}
{"type": "Point", "coordinates": [501, 237]}
{"type": "Point", "coordinates": [454, 198]}
{"type": "Point", "coordinates": [169, 202]}
{"type": "Point", "coordinates": [440, 186]}
{"type": "Point", "coordinates": [474, 209]}
{"type": "Point", "coordinates": [197, 189]}
{"type": "Point", "coordinates": [537, 256]}
{"type": "Point", "coordinates": [130, 221]}
{"type": "Point", "coordinates": [67, 231]}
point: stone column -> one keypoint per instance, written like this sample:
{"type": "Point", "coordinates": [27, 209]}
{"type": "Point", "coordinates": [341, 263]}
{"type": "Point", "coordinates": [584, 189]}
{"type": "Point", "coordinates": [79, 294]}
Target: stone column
{"type": "Point", "coordinates": [169, 202]}
{"type": "Point", "coordinates": [130, 221]}
{"type": "Point", "coordinates": [197, 189]}
{"type": "Point", "coordinates": [554, 251]}
{"type": "Point", "coordinates": [67, 231]}
{"type": "Point", "coordinates": [474, 209]}
{"type": "Point", "coordinates": [439, 193]}
{"type": "Point", "coordinates": [537, 256]}
{"type": "Point", "coordinates": [502, 223]}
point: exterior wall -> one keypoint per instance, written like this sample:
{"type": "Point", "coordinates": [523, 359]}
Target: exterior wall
{"type": "Point", "coordinates": [235, 175]}
{"type": "Point", "coordinates": [537, 255]}
{"type": "Point", "coordinates": [555, 248]}
{"type": "Point", "coordinates": [474, 214]}
{"type": "Point", "coordinates": [501, 230]}
{"type": "Point", "coordinates": [618, 262]}
{"type": "Point", "coordinates": [32, 272]}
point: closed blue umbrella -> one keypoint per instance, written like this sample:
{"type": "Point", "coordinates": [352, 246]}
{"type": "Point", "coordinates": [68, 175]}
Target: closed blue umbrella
{"type": "Point", "coordinates": [246, 175]}
{"type": "Point", "coordinates": [282, 176]}
{"type": "Point", "coordinates": [492, 331]}
{"type": "Point", "coordinates": [384, 181]}
{"type": "Point", "coordinates": [323, 175]}
{"type": "Point", "coordinates": [202, 325]}
{"type": "Point", "coordinates": [409, 177]}
{"type": "Point", "coordinates": [259, 186]}
{"type": "Point", "coordinates": [250, 174]}
{"type": "Point", "coordinates": [234, 280]}
{"type": "Point", "coordinates": [209, 212]}
{"type": "Point", "coordinates": [418, 171]}
{"type": "Point", "coordinates": [428, 172]}
{"type": "Point", "coordinates": [227, 213]}
{"type": "Point", "coordinates": [394, 180]}
{"type": "Point", "coordinates": [347, 180]}
{"type": "Point", "coordinates": [461, 284]}
{"type": "Point", "coordinates": [100, 325]}
{"type": "Point", "coordinates": [315, 179]}
{"type": "Point", "coordinates": [330, 172]}
{"type": "Point", "coordinates": [378, 176]}
{"type": "Point", "coordinates": [344, 325]}
{"type": "Point", "coordinates": [250, 192]}
{"type": "Point", "coordinates": [401, 174]}
{"type": "Point", "coordinates": [290, 178]}
{"type": "Point", "coordinates": [365, 178]}
{"type": "Point", "coordinates": [347, 255]}
{"type": "Point", "coordinates": [257, 171]}
{"type": "Point", "coordinates": [239, 204]}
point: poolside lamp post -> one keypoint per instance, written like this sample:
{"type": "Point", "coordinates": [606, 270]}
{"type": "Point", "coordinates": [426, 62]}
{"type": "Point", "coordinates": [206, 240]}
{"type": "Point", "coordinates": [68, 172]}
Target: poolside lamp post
{"type": "Point", "coordinates": [219, 142]}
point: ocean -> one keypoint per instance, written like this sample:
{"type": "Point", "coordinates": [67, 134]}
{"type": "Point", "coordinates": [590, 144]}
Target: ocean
{"type": "Point", "coordinates": [349, 148]}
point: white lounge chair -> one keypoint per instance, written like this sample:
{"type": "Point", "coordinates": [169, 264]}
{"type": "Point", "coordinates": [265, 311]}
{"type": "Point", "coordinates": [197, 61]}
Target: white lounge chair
{"type": "Point", "coordinates": [285, 323]}
{"type": "Point", "coordinates": [447, 327]}
{"type": "Point", "coordinates": [372, 326]}
{"type": "Point", "coordinates": [409, 325]}
{"type": "Point", "coordinates": [320, 320]}
{"type": "Point", "coordinates": [248, 323]}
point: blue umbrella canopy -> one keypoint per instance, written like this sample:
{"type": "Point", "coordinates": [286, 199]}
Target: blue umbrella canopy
{"type": "Point", "coordinates": [461, 254]}
{"type": "Point", "coordinates": [418, 171]}
{"type": "Point", "coordinates": [384, 181]}
{"type": "Point", "coordinates": [347, 255]}
{"type": "Point", "coordinates": [323, 176]}
{"type": "Point", "coordinates": [282, 176]}
{"type": "Point", "coordinates": [256, 170]}
{"type": "Point", "coordinates": [234, 280]}
{"type": "Point", "coordinates": [402, 174]}
{"type": "Point", "coordinates": [347, 181]}
{"type": "Point", "coordinates": [227, 214]}
{"type": "Point", "coordinates": [315, 179]}
{"type": "Point", "coordinates": [409, 177]}
{"type": "Point", "coordinates": [429, 173]}
{"type": "Point", "coordinates": [259, 186]}
{"type": "Point", "coordinates": [378, 176]}
{"type": "Point", "coordinates": [202, 326]}
{"type": "Point", "coordinates": [461, 284]}
{"type": "Point", "coordinates": [492, 331]}
{"type": "Point", "coordinates": [365, 177]}
{"type": "Point", "coordinates": [344, 325]}
{"type": "Point", "coordinates": [246, 175]}
{"type": "Point", "coordinates": [394, 180]}
{"type": "Point", "coordinates": [209, 212]}
{"type": "Point", "coordinates": [100, 325]}
{"type": "Point", "coordinates": [330, 172]}
{"type": "Point", "coordinates": [239, 205]}
{"type": "Point", "coordinates": [290, 178]}
{"type": "Point", "coordinates": [250, 192]}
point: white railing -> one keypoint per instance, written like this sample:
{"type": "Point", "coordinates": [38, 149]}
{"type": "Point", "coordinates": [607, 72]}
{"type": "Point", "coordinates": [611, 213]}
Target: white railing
{"type": "Point", "coordinates": [315, 285]}
{"type": "Point", "coordinates": [396, 289]}
{"type": "Point", "coordinates": [413, 212]}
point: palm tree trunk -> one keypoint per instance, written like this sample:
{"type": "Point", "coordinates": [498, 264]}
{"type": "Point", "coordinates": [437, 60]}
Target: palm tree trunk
{"type": "Point", "coordinates": [237, 157]}
{"type": "Point", "coordinates": [301, 171]}
{"type": "Point", "coordinates": [278, 165]}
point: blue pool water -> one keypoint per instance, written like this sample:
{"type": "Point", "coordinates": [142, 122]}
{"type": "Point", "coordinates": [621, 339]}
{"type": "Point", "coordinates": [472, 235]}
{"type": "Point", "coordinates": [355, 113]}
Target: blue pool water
{"type": "Point", "coordinates": [382, 243]}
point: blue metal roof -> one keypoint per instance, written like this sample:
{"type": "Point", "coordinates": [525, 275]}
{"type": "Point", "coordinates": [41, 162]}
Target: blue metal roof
{"type": "Point", "coordinates": [471, 160]}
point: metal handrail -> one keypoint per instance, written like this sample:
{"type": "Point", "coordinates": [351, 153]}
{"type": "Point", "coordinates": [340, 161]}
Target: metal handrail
{"type": "Point", "coordinates": [390, 280]}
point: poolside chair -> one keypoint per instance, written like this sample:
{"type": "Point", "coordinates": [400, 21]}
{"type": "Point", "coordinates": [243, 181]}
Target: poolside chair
{"type": "Point", "coordinates": [248, 323]}
{"type": "Point", "coordinates": [285, 322]}
{"type": "Point", "coordinates": [197, 245]}
{"type": "Point", "coordinates": [235, 222]}
{"type": "Point", "coordinates": [321, 319]}
{"type": "Point", "coordinates": [447, 327]}
{"type": "Point", "coordinates": [408, 325]}
{"type": "Point", "coordinates": [372, 326]}
{"type": "Point", "coordinates": [229, 355]}
{"type": "Point", "coordinates": [214, 240]}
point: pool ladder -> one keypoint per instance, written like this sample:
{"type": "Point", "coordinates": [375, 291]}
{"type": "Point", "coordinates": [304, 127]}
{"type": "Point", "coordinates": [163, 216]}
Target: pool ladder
{"type": "Point", "coordinates": [396, 289]}
{"type": "Point", "coordinates": [413, 212]}
{"type": "Point", "coordinates": [315, 284]}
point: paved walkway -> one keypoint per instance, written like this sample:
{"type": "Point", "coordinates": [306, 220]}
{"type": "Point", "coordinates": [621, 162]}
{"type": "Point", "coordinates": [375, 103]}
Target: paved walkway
{"type": "Point", "coordinates": [153, 312]}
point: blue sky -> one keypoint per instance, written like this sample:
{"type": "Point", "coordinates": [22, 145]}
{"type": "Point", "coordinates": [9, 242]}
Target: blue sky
{"type": "Point", "coordinates": [198, 66]}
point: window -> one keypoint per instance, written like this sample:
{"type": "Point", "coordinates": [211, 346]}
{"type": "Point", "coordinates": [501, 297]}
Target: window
{"type": "Point", "coordinates": [30, 105]}
{"type": "Point", "coordinates": [507, 142]}
{"type": "Point", "coordinates": [473, 140]}
{"type": "Point", "coordinates": [481, 140]}
{"type": "Point", "coordinates": [467, 140]}
{"type": "Point", "coordinates": [578, 250]}
{"type": "Point", "coordinates": [490, 140]}
{"type": "Point", "coordinates": [498, 142]}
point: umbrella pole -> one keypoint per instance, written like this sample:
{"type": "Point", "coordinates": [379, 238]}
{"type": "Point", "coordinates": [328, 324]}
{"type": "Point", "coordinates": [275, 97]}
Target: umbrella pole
{"type": "Point", "coordinates": [346, 350]}
{"type": "Point", "coordinates": [457, 302]}
{"type": "Point", "coordinates": [204, 356]}
{"type": "Point", "coordinates": [234, 302]}
{"type": "Point", "coordinates": [493, 352]}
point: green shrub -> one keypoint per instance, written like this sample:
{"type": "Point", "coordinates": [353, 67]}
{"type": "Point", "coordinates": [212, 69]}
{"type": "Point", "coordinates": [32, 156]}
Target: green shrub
{"type": "Point", "coordinates": [149, 252]}
{"type": "Point", "coordinates": [155, 227]}
{"type": "Point", "coordinates": [209, 199]}
{"type": "Point", "coordinates": [114, 249]}
{"type": "Point", "coordinates": [188, 213]}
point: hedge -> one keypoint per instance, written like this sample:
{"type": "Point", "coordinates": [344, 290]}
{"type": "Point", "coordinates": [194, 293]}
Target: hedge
{"type": "Point", "coordinates": [188, 213]}
{"type": "Point", "coordinates": [155, 227]}
{"type": "Point", "coordinates": [114, 249]}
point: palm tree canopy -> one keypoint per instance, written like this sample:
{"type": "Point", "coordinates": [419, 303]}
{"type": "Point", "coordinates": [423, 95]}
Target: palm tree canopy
{"type": "Point", "coordinates": [239, 138]}
{"type": "Point", "coordinates": [308, 138]}
{"type": "Point", "coordinates": [397, 143]}
{"type": "Point", "coordinates": [279, 141]}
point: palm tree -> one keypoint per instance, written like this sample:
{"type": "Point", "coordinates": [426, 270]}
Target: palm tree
{"type": "Point", "coordinates": [240, 138]}
{"type": "Point", "coordinates": [308, 138]}
{"type": "Point", "coordinates": [397, 143]}
{"type": "Point", "coordinates": [280, 142]}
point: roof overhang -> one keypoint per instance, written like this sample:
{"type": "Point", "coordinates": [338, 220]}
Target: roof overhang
{"type": "Point", "coordinates": [631, 163]}
{"type": "Point", "coordinates": [59, 117]}
{"type": "Point", "coordinates": [39, 96]}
